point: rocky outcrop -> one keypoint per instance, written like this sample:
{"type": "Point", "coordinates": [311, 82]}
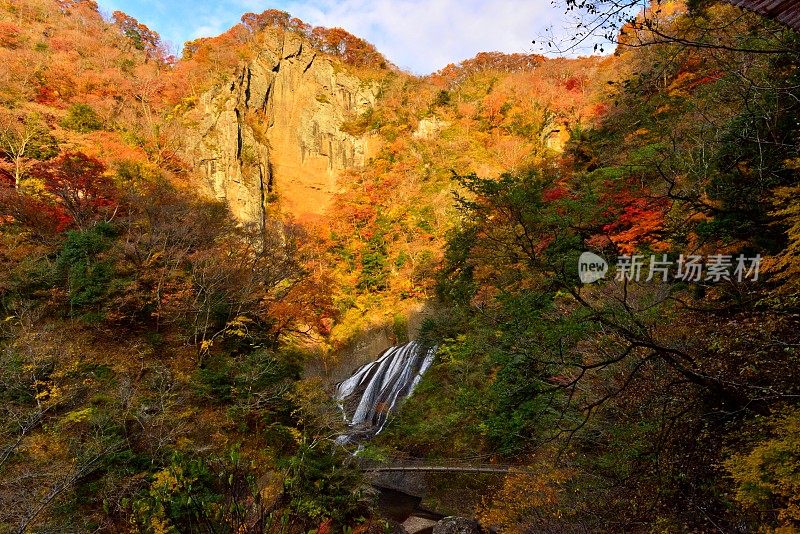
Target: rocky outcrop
{"type": "Point", "coordinates": [556, 134]}
{"type": "Point", "coordinates": [429, 127]}
{"type": "Point", "coordinates": [274, 130]}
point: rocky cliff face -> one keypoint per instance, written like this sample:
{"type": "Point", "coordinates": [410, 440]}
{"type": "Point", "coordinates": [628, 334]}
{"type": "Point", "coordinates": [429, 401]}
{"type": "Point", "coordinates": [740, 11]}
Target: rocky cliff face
{"type": "Point", "coordinates": [275, 130]}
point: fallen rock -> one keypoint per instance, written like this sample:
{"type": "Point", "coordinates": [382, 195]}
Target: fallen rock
{"type": "Point", "coordinates": [457, 525]}
{"type": "Point", "coordinates": [417, 525]}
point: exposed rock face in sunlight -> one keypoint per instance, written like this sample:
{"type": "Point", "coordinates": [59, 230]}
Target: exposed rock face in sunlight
{"type": "Point", "coordinates": [275, 130]}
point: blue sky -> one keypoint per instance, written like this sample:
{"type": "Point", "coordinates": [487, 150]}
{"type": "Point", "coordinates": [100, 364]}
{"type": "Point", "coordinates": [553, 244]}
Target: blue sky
{"type": "Point", "coordinates": [417, 35]}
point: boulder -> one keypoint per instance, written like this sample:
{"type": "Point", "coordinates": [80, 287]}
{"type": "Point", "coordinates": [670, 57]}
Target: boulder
{"type": "Point", "coordinates": [457, 525]}
{"type": "Point", "coordinates": [418, 525]}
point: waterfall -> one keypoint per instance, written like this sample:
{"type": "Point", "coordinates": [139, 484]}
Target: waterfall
{"type": "Point", "coordinates": [372, 393]}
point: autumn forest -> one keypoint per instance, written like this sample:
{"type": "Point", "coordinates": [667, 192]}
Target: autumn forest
{"type": "Point", "coordinates": [273, 283]}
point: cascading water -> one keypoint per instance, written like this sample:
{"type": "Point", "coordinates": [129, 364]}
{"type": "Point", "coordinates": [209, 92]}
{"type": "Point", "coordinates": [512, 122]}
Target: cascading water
{"type": "Point", "coordinates": [372, 393]}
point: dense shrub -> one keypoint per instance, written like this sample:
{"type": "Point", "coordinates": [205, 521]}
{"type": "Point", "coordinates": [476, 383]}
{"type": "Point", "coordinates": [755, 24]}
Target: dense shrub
{"type": "Point", "coordinates": [82, 118]}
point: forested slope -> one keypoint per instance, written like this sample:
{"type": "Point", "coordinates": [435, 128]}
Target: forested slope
{"type": "Point", "coordinates": [148, 380]}
{"type": "Point", "coordinates": [638, 404]}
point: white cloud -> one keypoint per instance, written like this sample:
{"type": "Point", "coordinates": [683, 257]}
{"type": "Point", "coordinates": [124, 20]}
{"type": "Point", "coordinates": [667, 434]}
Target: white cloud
{"type": "Point", "coordinates": [424, 36]}
{"type": "Point", "coordinates": [207, 30]}
{"type": "Point", "coordinates": [418, 35]}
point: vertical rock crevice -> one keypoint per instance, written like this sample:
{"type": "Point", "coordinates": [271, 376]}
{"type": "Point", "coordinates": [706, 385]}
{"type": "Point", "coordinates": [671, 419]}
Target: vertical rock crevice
{"type": "Point", "coordinates": [238, 136]}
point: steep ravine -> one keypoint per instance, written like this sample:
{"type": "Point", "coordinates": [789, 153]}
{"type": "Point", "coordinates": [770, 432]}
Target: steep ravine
{"type": "Point", "coordinates": [273, 131]}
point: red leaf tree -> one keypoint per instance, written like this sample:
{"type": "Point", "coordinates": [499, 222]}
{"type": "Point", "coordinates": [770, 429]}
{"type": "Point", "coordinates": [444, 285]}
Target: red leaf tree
{"type": "Point", "coordinates": [78, 183]}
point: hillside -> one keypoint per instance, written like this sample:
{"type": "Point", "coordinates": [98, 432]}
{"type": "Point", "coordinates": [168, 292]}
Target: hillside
{"type": "Point", "coordinates": [362, 154]}
{"type": "Point", "coordinates": [195, 249]}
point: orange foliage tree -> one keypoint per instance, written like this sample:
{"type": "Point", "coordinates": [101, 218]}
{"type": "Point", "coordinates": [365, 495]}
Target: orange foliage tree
{"type": "Point", "coordinates": [142, 37]}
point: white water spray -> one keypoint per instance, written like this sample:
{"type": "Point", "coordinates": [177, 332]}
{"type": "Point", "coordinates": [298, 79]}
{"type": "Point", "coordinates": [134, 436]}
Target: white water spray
{"type": "Point", "coordinates": [369, 396]}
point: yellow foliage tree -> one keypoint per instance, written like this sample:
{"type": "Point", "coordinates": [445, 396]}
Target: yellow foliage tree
{"type": "Point", "coordinates": [786, 265]}
{"type": "Point", "coordinates": [768, 476]}
{"type": "Point", "coordinates": [526, 501]}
